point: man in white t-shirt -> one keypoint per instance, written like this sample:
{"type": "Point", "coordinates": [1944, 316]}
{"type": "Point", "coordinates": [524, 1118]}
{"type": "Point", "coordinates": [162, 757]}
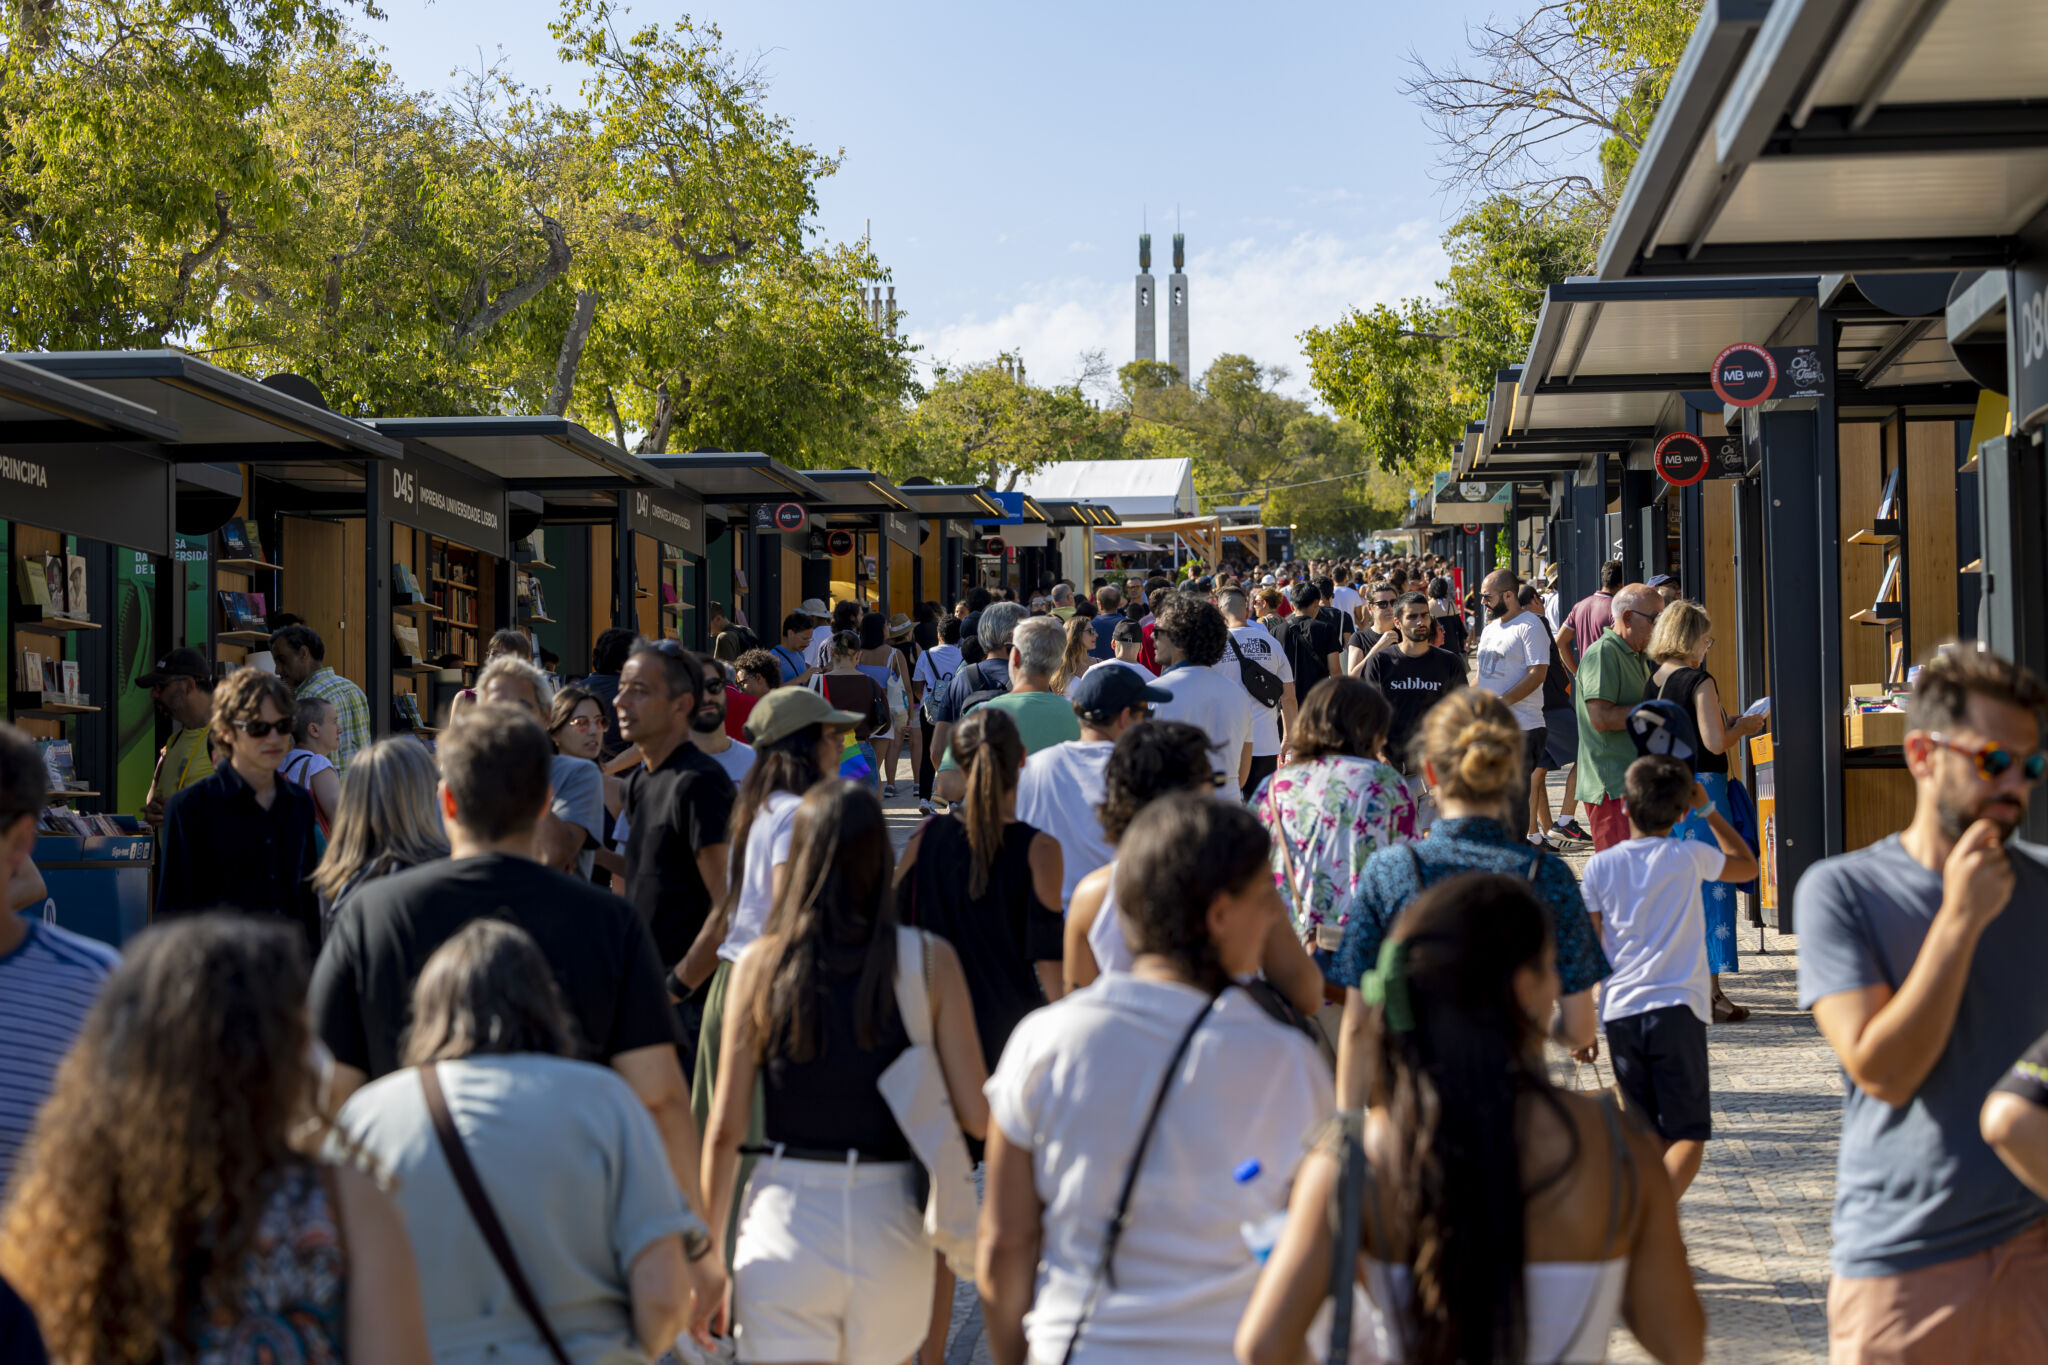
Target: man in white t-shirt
{"type": "Point", "coordinates": [1061, 786]}
{"type": "Point", "coordinates": [707, 726]}
{"type": "Point", "coordinates": [1189, 640]}
{"type": "Point", "coordinates": [1346, 598]}
{"type": "Point", "coordinates": [1514, 656]}
{"type": "Point", "coordinates": [1258, 646]}
{"type": "Point", "coordinates": [818, 653]}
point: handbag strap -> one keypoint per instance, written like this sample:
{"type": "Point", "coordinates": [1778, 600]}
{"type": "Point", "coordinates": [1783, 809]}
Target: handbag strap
{"type": "Point", "coordinates": [1104, 1272]}
{"type": "Point", "coordinates": [914, 987]}
{"type": "Point", "coordinates": [1277, 822]}
{"type": "Point", "coordinates": [480, 1209]}
{"type": "Point", "coordinates": [1351, 1177]}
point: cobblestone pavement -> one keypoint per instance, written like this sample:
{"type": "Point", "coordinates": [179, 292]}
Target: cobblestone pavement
{"type": "Point", "coordinates": [1756, 1219]}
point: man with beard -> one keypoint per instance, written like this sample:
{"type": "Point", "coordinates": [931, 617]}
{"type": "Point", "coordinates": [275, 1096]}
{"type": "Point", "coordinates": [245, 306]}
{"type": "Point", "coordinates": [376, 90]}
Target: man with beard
{"type": "Point", "coordinates": [1920, 957]}
{"type": "Point", "coordinates": [1514, 658]}
{"type": "Point", "coordinates": [1413, 676]}
{"type": "Point", "coordinates": [707, 727]}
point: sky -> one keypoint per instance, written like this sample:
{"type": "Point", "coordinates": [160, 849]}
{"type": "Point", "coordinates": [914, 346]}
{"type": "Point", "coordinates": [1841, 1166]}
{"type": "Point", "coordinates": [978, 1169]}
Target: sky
{"type": "Point", "coordinates": [1004, 157]}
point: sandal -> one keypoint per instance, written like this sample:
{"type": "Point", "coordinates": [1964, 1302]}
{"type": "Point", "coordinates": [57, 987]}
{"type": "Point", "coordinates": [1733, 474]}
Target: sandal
{"type": "Point", "coordinates": [1726, 1011]}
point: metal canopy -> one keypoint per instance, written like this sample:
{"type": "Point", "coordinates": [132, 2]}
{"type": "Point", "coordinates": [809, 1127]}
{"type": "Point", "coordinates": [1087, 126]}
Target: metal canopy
{"type": "Point", "coordinates": [39, 406]}
{"type": "Point", "coordinates": [549, 455]}
{"type": "Point", "coordinates": [949, 500]}
{"type": "Point", "coordinates": [1890, 135]}
{"type": "Point", "coordinates": [742, 477]}
{"type": "Point", "coordinates": [219, 415]}
{"type": "Point", "coordinates": [856, 492]}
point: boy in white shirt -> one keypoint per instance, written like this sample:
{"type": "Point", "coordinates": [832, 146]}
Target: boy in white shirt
{"type": "Point", "coordinates": [1644, 897]}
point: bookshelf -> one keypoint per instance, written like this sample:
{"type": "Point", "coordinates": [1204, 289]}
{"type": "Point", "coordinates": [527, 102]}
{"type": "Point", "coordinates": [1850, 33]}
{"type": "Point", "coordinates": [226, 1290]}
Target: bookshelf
{"type": "Point", "coordinates": [247, 586]}
{"type": "Point", "coordinates": [1887, 610]}
{"type": "Point", "coordinates": [443, 597]}
{"type": "Point", "coordinates": [53, 606]}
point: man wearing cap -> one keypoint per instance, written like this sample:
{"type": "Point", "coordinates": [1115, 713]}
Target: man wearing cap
{"type": "Point", "coordinates": [180, 686]}
{"type": "Point", "coordinates": [1667, 587]}
{"type": "Point", "coordinates": [1061, 786]}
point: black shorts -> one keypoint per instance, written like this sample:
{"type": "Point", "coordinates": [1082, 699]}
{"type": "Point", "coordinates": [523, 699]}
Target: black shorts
{"type": "Point", "coordinates": [1660, 1064]}
{"type": "Point", "coordinates": [1534, 742]}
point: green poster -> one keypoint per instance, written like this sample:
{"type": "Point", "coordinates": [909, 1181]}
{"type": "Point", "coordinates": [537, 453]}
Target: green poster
{"type": "Point", "coordinates": [192, 552]}
{"type": "Point", "coordinates": [134, 646]}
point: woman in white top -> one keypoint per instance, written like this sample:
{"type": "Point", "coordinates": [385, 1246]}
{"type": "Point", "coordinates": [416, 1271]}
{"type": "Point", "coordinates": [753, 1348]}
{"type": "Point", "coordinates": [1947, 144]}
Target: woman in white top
{"type": "Point", "coordinates": [567, 1155]}
{"type": "Point", "coordinates": [1504, 1219]}
{"type": "Point", "coordinates": [314, 737]}
{"type": "Point", "coordinates": [1236, 1096]}
{"type": "Point", "coordinates": [1152, 760]}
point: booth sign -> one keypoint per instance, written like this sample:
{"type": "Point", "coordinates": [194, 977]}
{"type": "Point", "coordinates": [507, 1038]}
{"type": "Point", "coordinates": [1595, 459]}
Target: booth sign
{"type": "Point", "coordinates": [774, 517]}
{"type": "Point", "coordinates": [100, 492]}
{"type": "Point", "coordinates": [1744, 375]}
{"type": "Point", "coordinates": [1682, 459]}
{"type": "Point", "coordinates": [436, 499]}
{"type": "Point", "coordinates": [838, 543]}
{"type": "Point", "coordinates": [666, 517]}
{"type": "Point", "coordinates": [901, 527]}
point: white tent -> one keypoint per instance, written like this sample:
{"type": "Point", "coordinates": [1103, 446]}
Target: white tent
{"type": "Point", "coordinates": [1130, 488]}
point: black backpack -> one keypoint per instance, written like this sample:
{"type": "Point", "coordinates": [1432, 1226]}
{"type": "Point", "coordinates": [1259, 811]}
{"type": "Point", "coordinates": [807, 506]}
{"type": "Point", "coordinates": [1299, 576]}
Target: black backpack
{"type": "Point", "coordinates": [1263, 683]}
{"type": "Point", "coordinates": [982, 693]}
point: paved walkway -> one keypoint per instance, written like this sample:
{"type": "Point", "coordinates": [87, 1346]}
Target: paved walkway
{"type": "Point", "coordinates": [1756, 1219]}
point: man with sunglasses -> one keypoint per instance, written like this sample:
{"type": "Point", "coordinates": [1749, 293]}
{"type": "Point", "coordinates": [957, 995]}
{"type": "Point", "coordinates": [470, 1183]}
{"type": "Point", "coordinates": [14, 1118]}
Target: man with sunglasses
{"type": "Point", "coordinates": [242, 838]}
{"type": "Point", "coordinates": [1611, 677]}
{"type": "Point", "coordinates": [1920, 957]}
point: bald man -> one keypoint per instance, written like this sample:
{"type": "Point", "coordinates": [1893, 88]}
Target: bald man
{"type": "Point", "coordinates": [1612, 675]}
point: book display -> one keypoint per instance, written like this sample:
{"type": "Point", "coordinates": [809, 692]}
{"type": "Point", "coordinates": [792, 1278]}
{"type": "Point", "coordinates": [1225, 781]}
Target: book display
{"type": "Point", "coordinates": [53, 593]}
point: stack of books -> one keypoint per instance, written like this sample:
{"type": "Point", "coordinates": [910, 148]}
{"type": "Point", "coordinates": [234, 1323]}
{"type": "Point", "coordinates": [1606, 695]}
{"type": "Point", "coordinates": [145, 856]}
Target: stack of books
{"type": "Point", "coordinates": [55, 583]}
{"type": "Point", "coordinates": [57, 679]}
{"type": "Point", "coordinates": [408, 708]}
{"type": "Point", "coordinates": [239, 539]}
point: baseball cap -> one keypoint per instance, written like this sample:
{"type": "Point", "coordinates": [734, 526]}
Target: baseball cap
{"type": "Point", "coordinates": [1107, 689]}
{"type": "Point", "coordinates": [179, 663]}
{"type": "Point", "coordinates": [813, 606]}
{"type": "Point", "coordinates": [1661, 579]}
{"type": "Point", "coordinates": [1269, 581]}
{"type": "Point", "coordinates": [787, 710]}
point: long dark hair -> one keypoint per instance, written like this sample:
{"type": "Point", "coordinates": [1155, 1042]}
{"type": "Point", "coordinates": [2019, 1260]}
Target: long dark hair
{"type": "Point", "coordinates": [1181, 852]}
{"type": "Point", "coordinates": [784, 765]}
{"type": "Point", "coordinates": [834, 918]}
{"type": "Point", "coordinates": [989, 750]}
{"type": "Point", "coordinates": [1453, 1084]}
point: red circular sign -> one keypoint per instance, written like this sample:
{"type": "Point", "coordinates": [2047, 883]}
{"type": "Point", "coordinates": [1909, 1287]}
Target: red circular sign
{"type": "Point", "coordinates": [1682, 459]}
{"type": "Point", "coordinates": [1744, 375]}
{"type": "Point", "coordinates": [1470, 528]}
{"type": "Point", "coordinates": [993, 547]}
{"type": "Point", "coordinates": [790, 516]}
{"type": "Point", "coordinates": [839, 543]}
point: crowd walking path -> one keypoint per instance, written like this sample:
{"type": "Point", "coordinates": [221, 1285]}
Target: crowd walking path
{"type": "Point", "coordinates": [1756, 1219]}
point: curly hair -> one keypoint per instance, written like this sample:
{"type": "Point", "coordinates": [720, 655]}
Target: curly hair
{"type": "Point", "coordinates": [240, 697]}
{"type": "Point", "coordinates": [1151, 760]}
{"type": "Point", "coordinates": [168, 1129]}
{"type": "Point", "coordinates": [1193, 626]}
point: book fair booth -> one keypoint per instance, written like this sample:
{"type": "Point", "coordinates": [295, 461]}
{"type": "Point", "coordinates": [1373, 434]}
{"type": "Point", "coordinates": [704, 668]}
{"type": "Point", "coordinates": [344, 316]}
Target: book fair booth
{"type": "Point", "coordinates": [756, 512]}
{"type": "Point", "coordinates": [1885, 422]}
{"type": "Point", "coordinates": [946, 532]}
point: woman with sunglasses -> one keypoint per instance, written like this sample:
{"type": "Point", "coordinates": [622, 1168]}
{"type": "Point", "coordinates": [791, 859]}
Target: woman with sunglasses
{"type": "Point", "coordinates": [243, 838]}
{"type": "Point", "coordinates": [577, 720]}
{"type": "Point", "coordinates": [1678, 649]}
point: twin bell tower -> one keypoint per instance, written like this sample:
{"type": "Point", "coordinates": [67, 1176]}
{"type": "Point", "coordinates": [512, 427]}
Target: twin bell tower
{"type": "Point", "coordinates": [1176, 308]}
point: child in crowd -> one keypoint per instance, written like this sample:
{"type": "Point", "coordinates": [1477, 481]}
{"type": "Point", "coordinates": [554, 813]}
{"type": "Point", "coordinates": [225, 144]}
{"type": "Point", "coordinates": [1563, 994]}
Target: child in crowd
{"type": "Point", "coordinates": [1644, 897]}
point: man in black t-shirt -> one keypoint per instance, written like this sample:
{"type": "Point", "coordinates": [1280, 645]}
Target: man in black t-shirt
{"type": "Point", "coordinates": [494, 789]}
{"type": "Point", "coordinates": [676, 809]}
{"type": "Point", "coordinates": [1311, 643]}
{"type": "Point", "coordinates": [1413, 676]}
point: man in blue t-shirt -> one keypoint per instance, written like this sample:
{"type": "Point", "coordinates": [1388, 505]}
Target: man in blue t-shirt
{"type": "Point", "coordinates": [1920, 957]}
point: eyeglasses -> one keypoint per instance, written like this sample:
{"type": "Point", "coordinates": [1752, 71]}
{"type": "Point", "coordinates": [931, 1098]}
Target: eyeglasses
{"type": "Point", "coordinates": [262, 729]}
{"type": "Point", "coordinates": [1649, 616]}
{"type": "Point", "coordinates": [1995, 760]}
{"type": "Point", "coordinates": [582, 722]}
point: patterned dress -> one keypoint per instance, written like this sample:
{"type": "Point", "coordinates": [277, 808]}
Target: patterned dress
{"type": "Point", "coordinates": [1328, 816]}
{"type": "Point", "coordinates": [287, 1308]}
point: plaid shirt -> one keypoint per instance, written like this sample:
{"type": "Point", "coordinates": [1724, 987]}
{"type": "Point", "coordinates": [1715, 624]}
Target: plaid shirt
{"type": "Point", "coordinates": [351, 712]}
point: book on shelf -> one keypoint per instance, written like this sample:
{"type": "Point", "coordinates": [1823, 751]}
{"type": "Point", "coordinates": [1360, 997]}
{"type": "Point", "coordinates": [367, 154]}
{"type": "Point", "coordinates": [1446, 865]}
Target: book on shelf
{"type": "Point", "coordinates": [407, 584]}
{"type": "Point", "coordinates": [69, 674]}
{"type": "Point", "coordinates": [255, 539]}
{"type": "Point", "coordinates": [29, 677]}
{"type": "Point", "coordinates": [53, 574]}
{"type": "Point", "coordinates": [1888, 504]}
{"type": "Point", "coordinates": [668, 594]}
{"type": "Point", "coordinates": [259, 609]}
{"type": "Point", "coordinates": [58, 763]}
{"type": "Point", "coordinates": [234, 541]}
{"type": "Point", "coordinates": [1887, 590]}
{"type": "Point", "coordinates": [31, 586]}
{"type": "Point", "coordinates": [408, 636]}
{"type": "Point", "coordinates": [75, 597]}
{"type": "Point", "coordinates": [53, 677]}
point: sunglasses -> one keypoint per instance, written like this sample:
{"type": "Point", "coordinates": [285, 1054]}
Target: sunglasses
{"type": "Point", "coordinates": [1995, 760]}
{"type": "Point", "coordinates": [582, 722]}
{"type": "Point", "coordinates": [263, 729]}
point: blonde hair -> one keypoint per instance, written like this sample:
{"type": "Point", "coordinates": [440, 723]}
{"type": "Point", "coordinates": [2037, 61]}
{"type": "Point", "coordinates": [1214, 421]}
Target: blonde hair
{"type": "Point", "coordinates": [1074, 660]}
{"type": "Point", "coordinates": [1679, 630]}
{"type": "Point", "coordinates": [509, 666]}
{"type": "Point", "coordinates": [1471, 739]}
{"type": "Point", "coordinates": [387, 820]}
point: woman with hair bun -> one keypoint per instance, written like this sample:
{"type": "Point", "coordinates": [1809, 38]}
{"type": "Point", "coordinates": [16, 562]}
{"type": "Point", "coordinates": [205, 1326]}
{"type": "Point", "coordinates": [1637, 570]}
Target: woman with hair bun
{"type": "Point", "coordinates": [1471, 752]}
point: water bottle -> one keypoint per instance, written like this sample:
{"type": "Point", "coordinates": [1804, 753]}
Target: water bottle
{"type": "Point", "coordinates": [1262, 1236]}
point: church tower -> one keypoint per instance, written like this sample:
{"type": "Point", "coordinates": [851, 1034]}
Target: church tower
{"type": "Point", "coordinates": [1148, 311]}
{"type": "Point", "coordinates": [1177, 311]}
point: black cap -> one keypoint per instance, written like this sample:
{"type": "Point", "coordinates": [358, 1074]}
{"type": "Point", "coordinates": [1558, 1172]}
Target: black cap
{"type": "Point", "coordinates": [179, 663]}
{"type": "Point", "coordinates": [1109, 689]}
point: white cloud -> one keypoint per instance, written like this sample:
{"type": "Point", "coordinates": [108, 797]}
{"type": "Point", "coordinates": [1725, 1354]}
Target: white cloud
{"type": "Point", "coordinates": [1253, 296]}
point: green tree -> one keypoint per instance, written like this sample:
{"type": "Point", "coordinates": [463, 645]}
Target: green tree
{"type": "Point", "coordinates": [986, 423]}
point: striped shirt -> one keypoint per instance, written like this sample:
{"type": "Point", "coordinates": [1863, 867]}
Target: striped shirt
{"type": "Point", "coordinates": [46, 986]}
{"type": "Point", "coordinates": [351, 713]}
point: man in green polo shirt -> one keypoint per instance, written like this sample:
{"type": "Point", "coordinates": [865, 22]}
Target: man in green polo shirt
{"type": "Point", "coordinates": [1044, 717]}
{"type": "Point", "coordinates": [1613, 672]}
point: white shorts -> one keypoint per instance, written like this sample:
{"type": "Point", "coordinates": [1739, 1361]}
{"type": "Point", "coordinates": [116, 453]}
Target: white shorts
{"type": "Point", "coordinates": [831, 1264]}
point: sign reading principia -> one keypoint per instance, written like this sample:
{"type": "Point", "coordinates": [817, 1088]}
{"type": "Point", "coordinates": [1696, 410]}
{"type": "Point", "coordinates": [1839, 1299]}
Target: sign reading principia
{"type": "Point", "coordinates": [1682, 459]}
{"type": "Point", "coordinates": [1744, 375]}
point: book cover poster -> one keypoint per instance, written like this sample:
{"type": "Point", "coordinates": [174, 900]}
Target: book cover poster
{"type": "Point", "coordinates": [53, 574]}
{"type": "Point", "coordinates": [71, 687]}
{"type": "Point", "coordinates": [75, 600]}
{"type": "Point", "coordinates": [234, 541]}
{"type": "Point", "coordinates": [35, 588]}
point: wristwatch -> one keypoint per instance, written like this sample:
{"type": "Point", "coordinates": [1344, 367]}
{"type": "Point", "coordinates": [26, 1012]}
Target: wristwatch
{"type": "Point", "coordinates": [696, 1243]}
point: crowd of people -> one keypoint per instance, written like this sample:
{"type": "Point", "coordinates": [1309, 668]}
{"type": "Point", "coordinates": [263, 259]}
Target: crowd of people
{"type": "Point", "coordinates": [1225, 948]}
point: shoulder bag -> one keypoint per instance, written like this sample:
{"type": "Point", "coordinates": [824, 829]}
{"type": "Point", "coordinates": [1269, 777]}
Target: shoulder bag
{"type": "Point", "coordinates": [480, 1209]}
{"type": "Point", "coordinates": [1264, 685]}
{"type": "Point", "coordinates": [914, 1087]}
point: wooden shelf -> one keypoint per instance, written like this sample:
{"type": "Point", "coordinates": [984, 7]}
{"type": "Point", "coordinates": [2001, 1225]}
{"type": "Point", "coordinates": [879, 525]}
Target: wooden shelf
{"type": "Point", "coordinates": [1968, 466]}
{"type": "Point", "coordinates": [243, 637]}
{"type": "Point", "coordinates": [1974, 566]}
{"type": "Point", "coordinates": [537, 621]}
{"type": "Point", "coordinates": [1883, 542]}
{"type": "Point", "coordinates": [53, 797]}
{"type": "Point", "coordinates": [32, 704]}
{"type": "Point", "coordinates": [672, 608]}
{"type": "Point", "coordinates": [1870, 618]}
{"type": "Point", "coordinates": [416, 670]}
{"type": "Point", "coordinates": [248, 565]}
{"type": "Point", "coordinates": [524, 564]}
{"type": "Point", "coordinates": [456, 625]}
{"type": "Point", "coordinates": [51, 625]}
{"type": "Point", "coordinates": [459, 587]}
{"type": "Point", "coordinates": [427, 607]}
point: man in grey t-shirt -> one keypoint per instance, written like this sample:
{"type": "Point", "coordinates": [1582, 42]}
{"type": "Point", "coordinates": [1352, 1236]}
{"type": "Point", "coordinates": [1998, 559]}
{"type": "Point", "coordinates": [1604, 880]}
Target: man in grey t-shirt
{"type": "Point", "coordinates": [1921, 960]}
